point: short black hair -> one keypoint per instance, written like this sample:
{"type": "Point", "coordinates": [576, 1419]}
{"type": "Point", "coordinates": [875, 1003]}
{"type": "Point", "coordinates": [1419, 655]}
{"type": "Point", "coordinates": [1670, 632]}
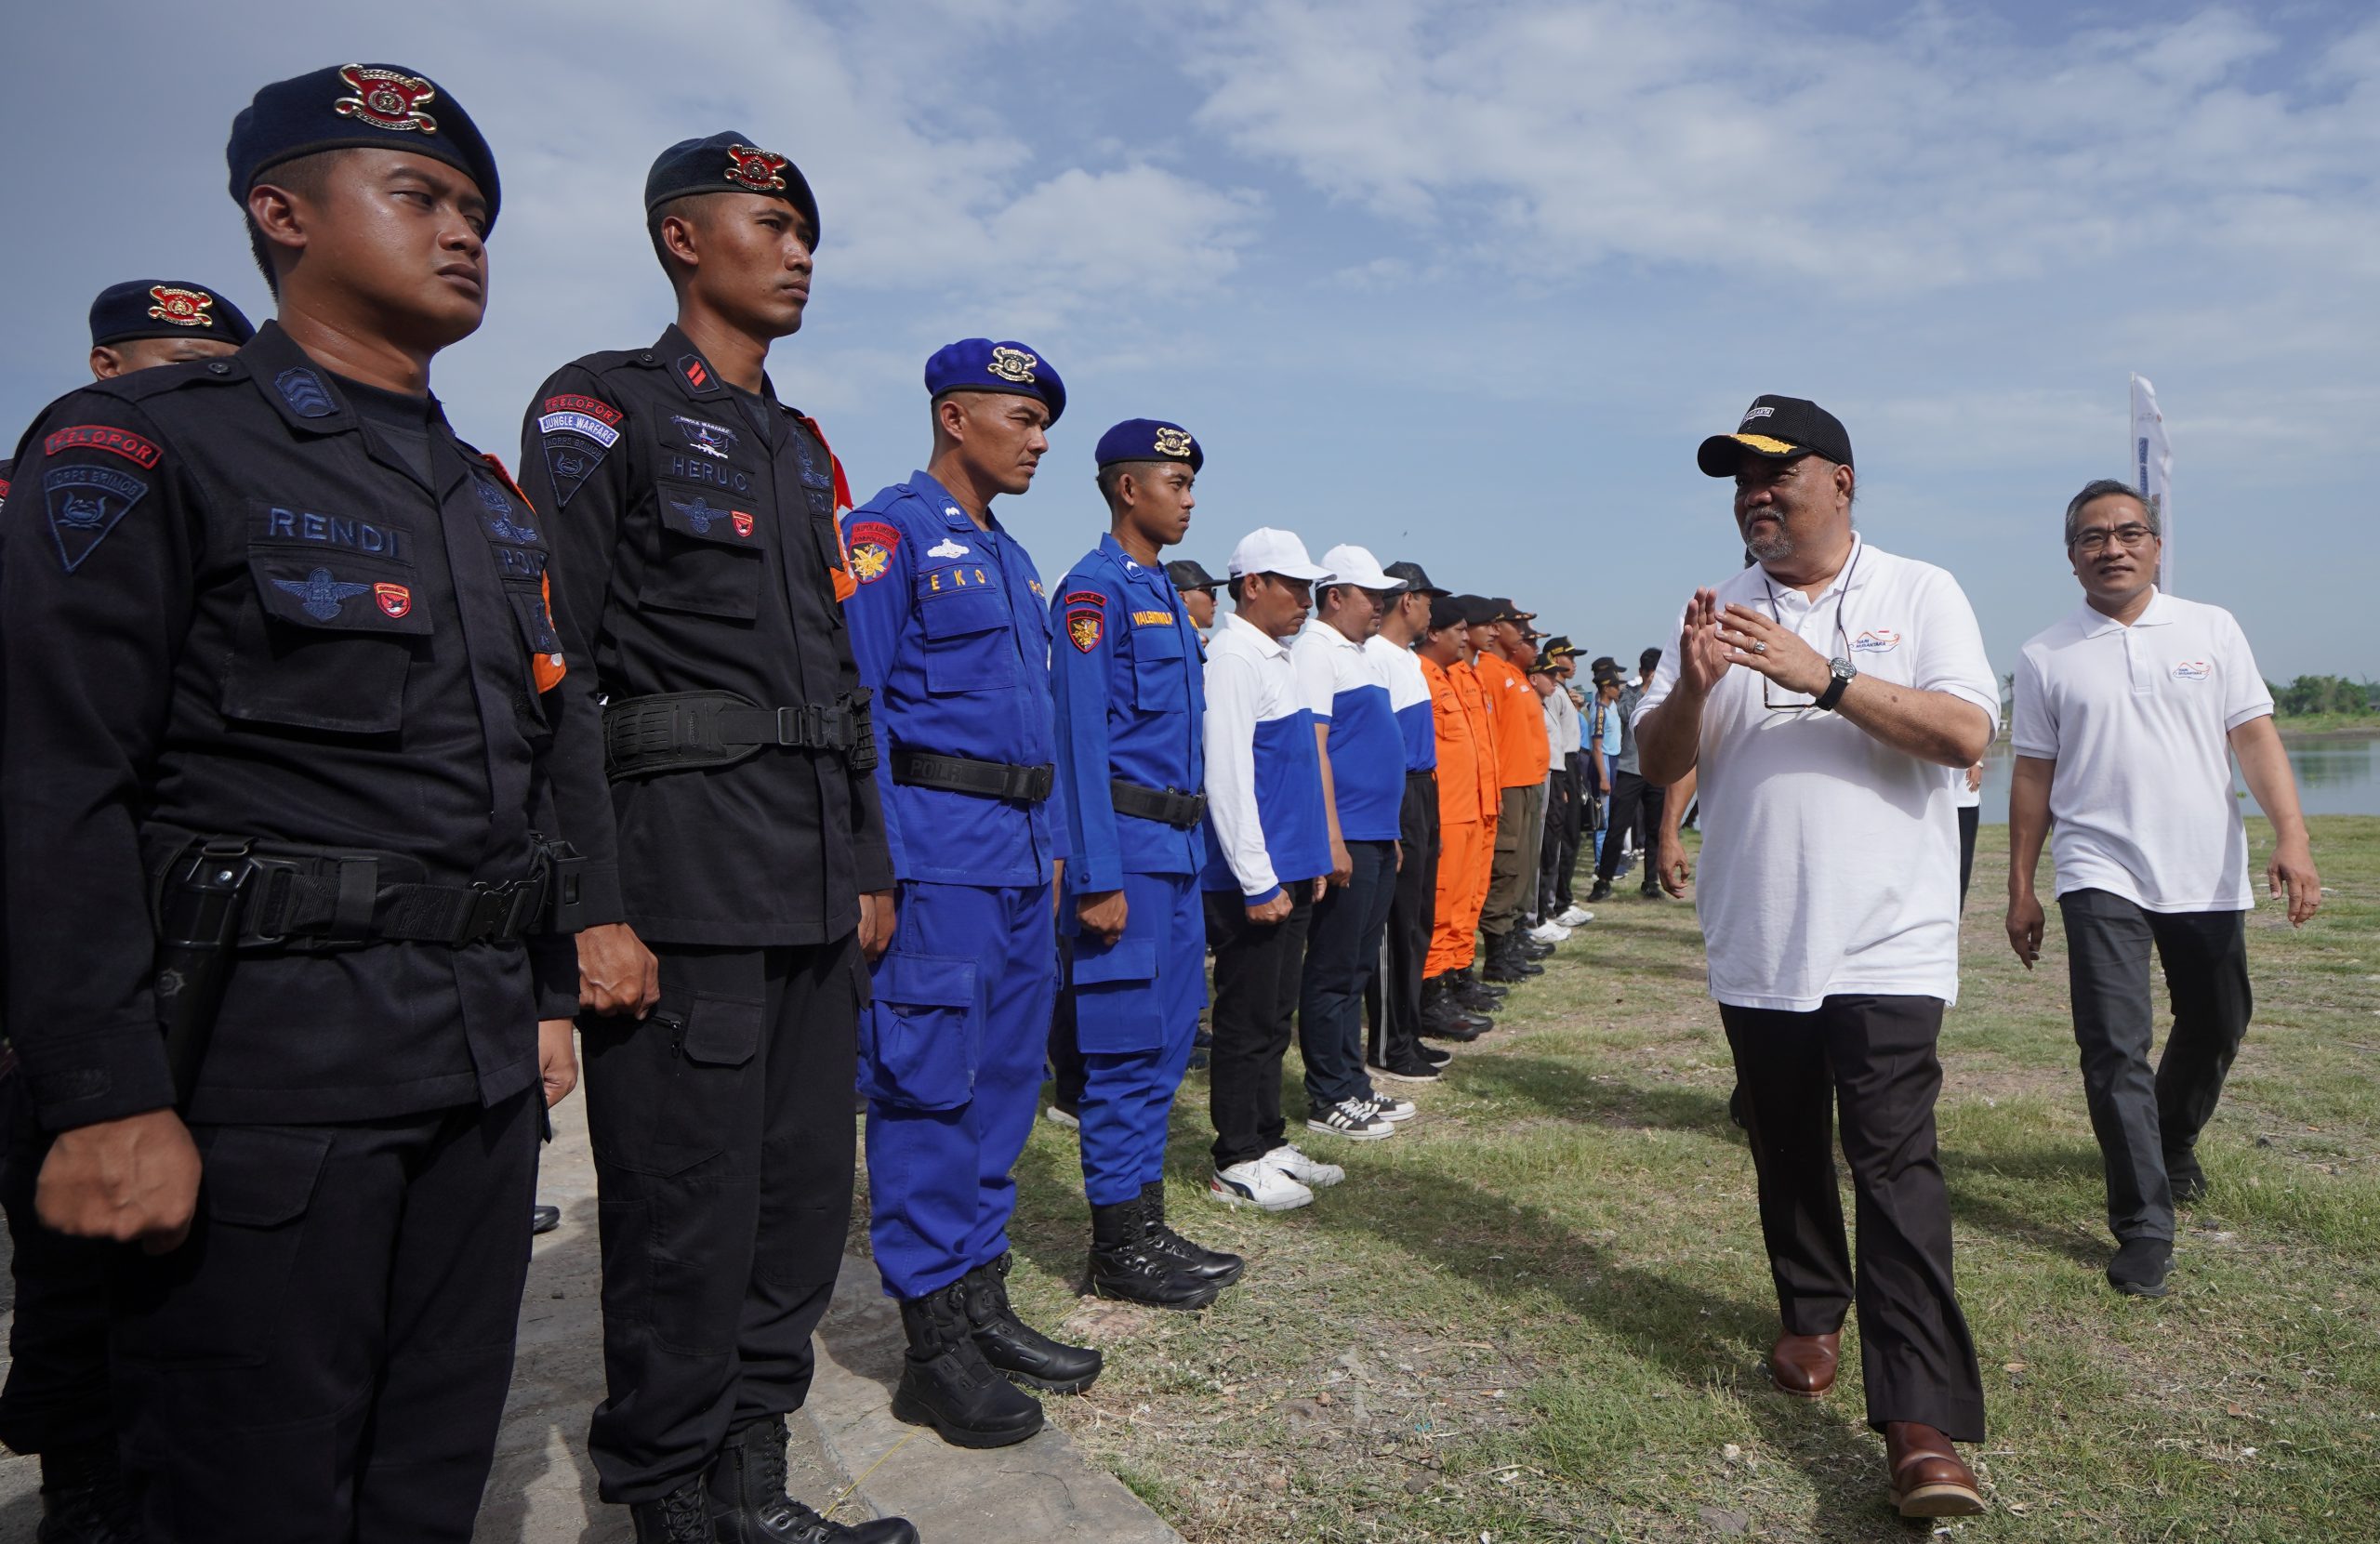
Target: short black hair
{"type": "Point", "coordinates": [1115, 472]}
{"type": "Point", "coordinates": [1650, 658]}
{"type": "Point", "coordinates": [683, 207]}
{"type": "Point", "coordinates": [307, 176]}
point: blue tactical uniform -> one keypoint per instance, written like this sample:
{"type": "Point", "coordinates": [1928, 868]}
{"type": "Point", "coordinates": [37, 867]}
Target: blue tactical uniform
{"type": "Point", "coordinates": [952, 632]}
{"type": "Point", "coordinates": [1125, 679]}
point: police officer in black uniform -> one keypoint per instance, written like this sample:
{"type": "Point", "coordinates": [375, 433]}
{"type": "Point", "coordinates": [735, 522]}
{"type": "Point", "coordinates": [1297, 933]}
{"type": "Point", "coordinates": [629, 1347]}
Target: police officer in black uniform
{"type": "Point", "coordinates": [279, 673]}
{"type": "Point", "coordinates": [696, 553]}
{"type": "Point", "coordinates": [56, 1401]}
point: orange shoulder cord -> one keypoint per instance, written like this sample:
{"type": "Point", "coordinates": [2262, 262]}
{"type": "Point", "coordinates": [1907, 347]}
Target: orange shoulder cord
{"type": "Point", "coordinates": [845, 585]}
{"type": "Point", "coordinates": [548, 670]}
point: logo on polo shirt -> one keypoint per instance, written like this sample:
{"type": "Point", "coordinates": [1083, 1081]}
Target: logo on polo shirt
{"type": "Point", "coordinates": [1876, 640]}
{"type": "Point", "coordinates": [2192, 669]}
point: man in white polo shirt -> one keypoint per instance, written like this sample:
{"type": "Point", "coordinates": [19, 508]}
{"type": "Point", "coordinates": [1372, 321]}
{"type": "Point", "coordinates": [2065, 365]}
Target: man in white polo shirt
{"type": "Point", "coordinates": [2128, 713]}
{"type": "Point", "coordinates": [1820, 693]}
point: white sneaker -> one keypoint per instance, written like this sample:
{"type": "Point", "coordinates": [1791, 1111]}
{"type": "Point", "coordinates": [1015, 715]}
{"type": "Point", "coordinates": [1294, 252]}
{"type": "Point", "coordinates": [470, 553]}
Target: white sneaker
{"type": "Point", "coordinates": [1549, 932]}
{"type": "Point", "coordinates": [1056, 1116]}
{"type": "Point", "coordinates": [1576, 916]}
{"type": "Point", "coordinates": [1257, 1183]}
{"type": "Point", "coordinates": [1392, 1109]}
{"type": "Point", "coordinates": [1293, 1162]}
{"type": "Point", "coordinates": [1351, 1118]}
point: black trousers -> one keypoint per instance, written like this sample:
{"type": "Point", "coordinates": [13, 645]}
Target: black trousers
{"type": "Point", "coordinates": [1393, 1006]}
{"type": "Point", "coordinates": [1257, 966]}
{"type": "Point", "coordinates": [1574, 824]}
{"type": "Point", "coordinates": [1635, 806]}
{"type": "Point", "coordinates": [723, 1159]}
{"type": "Point", "coordinates": [1066, 1074]}
{"type": "Point", "coordinates": [325, 1357]}
{"type": "Point", "coordinates": [1970, 817]}
{"type": "Point", "coordinates": [57, 1394]}
{"type": "Point", "coordinates": [1874, 1057]}
{"type": "Point", "coordinates": [1341, 955]}
{"type": "Point", "coordinates": [2148, 1126]}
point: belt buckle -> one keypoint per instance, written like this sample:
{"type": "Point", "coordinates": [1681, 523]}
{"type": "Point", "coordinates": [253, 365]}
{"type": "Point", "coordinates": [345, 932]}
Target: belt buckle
{"type": "Point", "coordinates": [256, 904]}
{"type": "Point", "coordinates": [493, 911]}
{"type": "Point", "coordinates": [789, 726]}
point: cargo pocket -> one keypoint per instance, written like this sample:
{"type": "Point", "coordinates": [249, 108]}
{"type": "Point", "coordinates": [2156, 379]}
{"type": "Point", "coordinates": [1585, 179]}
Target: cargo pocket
{"type": "Point", "coordinates": [1160, 679]}
{"type": "Point", "coordinates": [713, 1040]}
{"type": "Point", "coordinates": [1115, 1008]}
{"type": "Point", "coordinates": [712, 555]}
{"type": "Point", "coordinates": [966, 644]}
{"type": "Point", "coordinates": [919, 1039]}
{"type": "Point", "coordinates": [254, 1192]}
{"type": "Point", "coordinates": [527, 597]}
{"type": "Point", "coordinates": [329, 643]}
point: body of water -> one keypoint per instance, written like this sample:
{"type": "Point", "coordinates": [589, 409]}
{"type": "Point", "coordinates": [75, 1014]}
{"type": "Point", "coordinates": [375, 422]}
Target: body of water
{"type": "Point", "coordinates": [2336, 776]}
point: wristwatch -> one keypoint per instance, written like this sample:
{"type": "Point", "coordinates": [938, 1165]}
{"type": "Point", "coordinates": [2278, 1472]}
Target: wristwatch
{"type": "Point", "coordinates": [1834, 693]}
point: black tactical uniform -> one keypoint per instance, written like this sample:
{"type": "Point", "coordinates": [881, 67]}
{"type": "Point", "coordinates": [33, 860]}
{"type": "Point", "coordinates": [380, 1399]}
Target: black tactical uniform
{"type": "Point", "coordinates": [55, 1402]}
{"type": "Point", "coordinates": [245, 600]}
{"type": "Point", "coordinates": [696, 553]}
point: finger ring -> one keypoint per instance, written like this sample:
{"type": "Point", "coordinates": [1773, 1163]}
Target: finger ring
{"type": "Point", "coordinates": [1760, 647]}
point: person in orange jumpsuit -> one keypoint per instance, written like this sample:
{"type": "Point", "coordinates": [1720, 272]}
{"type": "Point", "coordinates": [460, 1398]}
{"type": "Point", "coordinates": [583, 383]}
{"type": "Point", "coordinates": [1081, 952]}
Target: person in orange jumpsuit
{"type": "Point", "coordinates": [1467, 810]}
{"type": "Point", "coordinates": [1522, 755]}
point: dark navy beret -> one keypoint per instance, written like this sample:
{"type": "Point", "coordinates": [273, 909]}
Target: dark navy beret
{"type": "Point", "coordinates": [728, 163]}
{"type": "Point", "coordinates": [1150, 440]}
{"type": "Point", "coordinates": [980, 364]}
{"type": "Point", "coordinates": [357, 106]}
{"type": "Point", "coordinates": [165, 307]}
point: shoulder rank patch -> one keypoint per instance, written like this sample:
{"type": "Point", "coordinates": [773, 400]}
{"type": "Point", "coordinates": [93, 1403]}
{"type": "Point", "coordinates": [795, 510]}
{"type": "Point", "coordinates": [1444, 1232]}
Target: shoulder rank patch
{"type": "Point", "coordinates": [872, 544]}
{"type": "Point", "coordinates": [696, 374]}
{"type": "Point", "coordinates": [578, 432]}
{"type": "Point", "coordinates": [305, 393]}
{"type": "Point", "coordinates": [596, 420]}
{"type": "Point", "coordinates": [84, 503]}
{"type": "Point", "coordinates": [106, 437]}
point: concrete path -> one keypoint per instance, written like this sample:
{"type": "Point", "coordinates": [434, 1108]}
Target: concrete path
{"type": "Point", "coordinates": [542, 1490]}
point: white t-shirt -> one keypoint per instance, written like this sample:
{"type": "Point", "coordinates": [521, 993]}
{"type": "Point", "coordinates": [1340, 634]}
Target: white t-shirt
{"type": "Point", "coordinates": [1830, 861]}
{"type": "Point", "coordinates": [2137, 719]}
{"type": "Point", "coordinates": [1962, 796]}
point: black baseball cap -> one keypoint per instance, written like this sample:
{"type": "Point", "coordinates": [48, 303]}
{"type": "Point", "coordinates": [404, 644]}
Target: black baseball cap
{"type": "Point", "coordinates": [1507, 611]}
{"type": "Point", "coordinates": [1779, 428]}
{"type": "Point", "coordinates": [1416, 582]}
{"type": "Point", "coordinates": [1477, 610]}
{"type": "Point", "coordinates": [1447, 611]}
{"type": "Point", "coordinates": [1187, 576]}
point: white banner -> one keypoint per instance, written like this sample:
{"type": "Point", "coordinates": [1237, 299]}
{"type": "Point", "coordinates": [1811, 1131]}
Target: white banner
{"type": "Point", "coordinates": [2152, 469]}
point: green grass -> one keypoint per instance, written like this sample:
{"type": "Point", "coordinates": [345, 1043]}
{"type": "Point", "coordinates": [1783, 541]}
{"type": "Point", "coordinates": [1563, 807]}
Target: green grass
{"type": "Point", "coordinates": [1539, 1312]}
{"type": "Point", "coordinates": [2328, 723]}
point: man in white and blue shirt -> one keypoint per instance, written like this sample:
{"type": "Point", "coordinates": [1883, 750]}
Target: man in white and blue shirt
{"type": "Point", "coordinates": [1268, 858]}
{"type": "Point", "coordinates": [1361, 753]}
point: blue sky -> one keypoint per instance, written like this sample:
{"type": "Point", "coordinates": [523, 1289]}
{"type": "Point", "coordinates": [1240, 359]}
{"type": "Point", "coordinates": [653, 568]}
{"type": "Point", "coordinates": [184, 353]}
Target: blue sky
{"type": "Point", "coordinates": [1464, 282]}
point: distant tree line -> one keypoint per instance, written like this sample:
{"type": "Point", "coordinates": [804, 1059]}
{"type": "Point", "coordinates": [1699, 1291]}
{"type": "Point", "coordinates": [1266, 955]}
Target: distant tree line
{"type": "Point", "coordinates": [2324, 695]}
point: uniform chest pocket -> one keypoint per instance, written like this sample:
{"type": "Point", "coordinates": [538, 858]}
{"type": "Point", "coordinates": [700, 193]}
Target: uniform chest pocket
{"type": "Point", "coordinates": [967, 642]}
{"type": "Point", "coordinates": [1160, 677]}
{"type": "Point", "coordinates": [329, 643]}
{"type": "Point", "coordinates": [713, 555]}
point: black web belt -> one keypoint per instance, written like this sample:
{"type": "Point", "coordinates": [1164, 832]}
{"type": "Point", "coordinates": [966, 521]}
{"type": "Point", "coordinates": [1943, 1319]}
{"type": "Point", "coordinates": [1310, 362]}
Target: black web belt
{"type": "Point", "coordinates": [324, 896]}
{"type": "Point", "coordinates": [962, 774]}
{"type": "Point", "coordinates": [1167, 806]}
{"type": "Point", "coordinates": [689, 731]}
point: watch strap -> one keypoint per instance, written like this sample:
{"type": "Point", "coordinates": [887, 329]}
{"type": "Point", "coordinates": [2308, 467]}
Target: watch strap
{"type": "Point", "coordinates": [1842, 682]}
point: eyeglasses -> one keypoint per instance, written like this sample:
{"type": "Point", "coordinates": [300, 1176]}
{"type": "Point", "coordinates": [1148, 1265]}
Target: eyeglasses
{"type": "Point", "coordinates": [2094, 539]}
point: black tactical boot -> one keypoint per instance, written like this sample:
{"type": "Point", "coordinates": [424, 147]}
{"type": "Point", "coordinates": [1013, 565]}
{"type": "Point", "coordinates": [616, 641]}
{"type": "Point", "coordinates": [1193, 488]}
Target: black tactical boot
{"type": "Point", "coordinates": [1209, 1264]}
{"type": "Point", "coordinates": [1601, 892]}
{"type": "Point", "coordinates": [1527, 947]}
{"type": "Point", "coordinates": [681, 1517]}
{"type": "Point", "coordinates": [1441, 1020]}
{"type": "Point", "coordinates": [1125, 1264]}
{"type": "Point", "coordinates": [82, 1498]}
{"type": "Point", "coordinates": [749, 1504]}
{"type": "Point", "coordinates": [1016, 1348]}
{"type": "Point", "coordinates": [1474, 994]}
{"type": "Point", "coordinates": [946, 1384]}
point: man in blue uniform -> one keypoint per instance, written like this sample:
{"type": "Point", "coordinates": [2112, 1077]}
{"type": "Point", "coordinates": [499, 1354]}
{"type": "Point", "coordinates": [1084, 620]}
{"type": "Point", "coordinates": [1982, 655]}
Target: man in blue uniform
{"type": "Point", "coordinates": [275, 663]}
{"type": "Point", "coordinates": [56, 1402]}
{"type": "Point", "coordinates": [1126, 681]}
{"type": "Point", "coordinates": [951, 625]}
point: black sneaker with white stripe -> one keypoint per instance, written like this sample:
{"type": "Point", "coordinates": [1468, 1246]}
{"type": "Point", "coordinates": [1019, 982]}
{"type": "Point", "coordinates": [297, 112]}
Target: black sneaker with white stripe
{"type": "Point", "coordinates": [1352, 1118]}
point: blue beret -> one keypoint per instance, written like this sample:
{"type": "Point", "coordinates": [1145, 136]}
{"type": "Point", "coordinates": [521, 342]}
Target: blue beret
{"type": "Point", "coordinates": [1150, 439]}
{"type": "Point", "coordinates": [352, 107]}
{"type": "Point", "coordinates": [728, 164]}
{"type": "Point", "coordinates": [165, 307]}
{"type": "Point", "coordinates": [980, 364]}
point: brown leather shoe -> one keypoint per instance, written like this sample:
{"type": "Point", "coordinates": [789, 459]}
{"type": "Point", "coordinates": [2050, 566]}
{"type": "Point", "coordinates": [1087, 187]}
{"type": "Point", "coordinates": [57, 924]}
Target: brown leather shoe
{"type": "Point", "coordinates": [1929, 1478]}
{"type": "Point", "coordinates": [1803, 1365]}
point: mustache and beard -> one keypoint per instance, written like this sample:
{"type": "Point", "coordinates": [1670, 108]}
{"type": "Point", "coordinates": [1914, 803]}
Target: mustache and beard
{"type": "Point", "coordinates": [1774, 543]}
